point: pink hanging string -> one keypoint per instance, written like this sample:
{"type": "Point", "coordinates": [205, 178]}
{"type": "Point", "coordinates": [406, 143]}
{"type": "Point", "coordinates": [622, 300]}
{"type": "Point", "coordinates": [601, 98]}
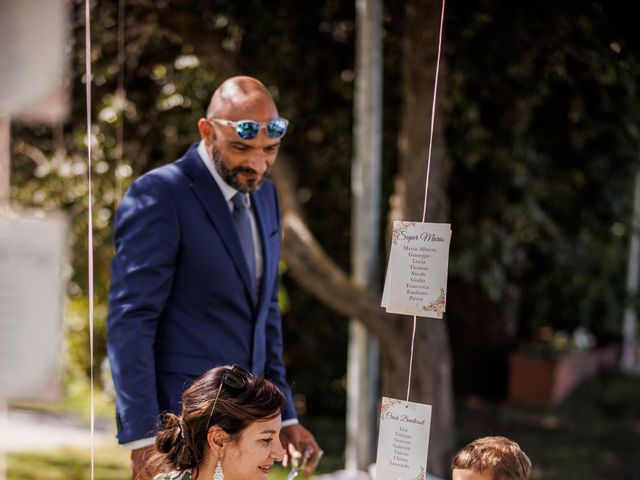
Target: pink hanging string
{"type": "Point", "coordinates": [426, 187]}
{"type": "Point", "coordinates": [413, 339]}
{"type": "Point", "coordinates": [88, 76]}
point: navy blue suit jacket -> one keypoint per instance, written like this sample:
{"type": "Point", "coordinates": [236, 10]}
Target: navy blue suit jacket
{"type": "Point", "coordinates": [180, 300]}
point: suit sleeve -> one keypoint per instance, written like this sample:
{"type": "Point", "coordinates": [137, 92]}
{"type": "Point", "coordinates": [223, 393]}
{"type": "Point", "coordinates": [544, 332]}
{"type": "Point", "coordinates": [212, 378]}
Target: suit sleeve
{"type": "Point", "coordinates": [147, 236]}
{"type": "Point", "coordinates": [275, 368]}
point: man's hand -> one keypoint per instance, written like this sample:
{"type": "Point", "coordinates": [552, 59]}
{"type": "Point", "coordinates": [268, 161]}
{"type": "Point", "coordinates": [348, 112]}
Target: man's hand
{"type": "Point", "coordinates": [139, 459]}
{"type": "Point", "coordinates": [300, 439]}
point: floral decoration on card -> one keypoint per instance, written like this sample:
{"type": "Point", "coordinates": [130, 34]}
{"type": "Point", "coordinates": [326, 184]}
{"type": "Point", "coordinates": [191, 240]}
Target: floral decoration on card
{"type": "Point", "coordinates": [387, 403]}
{"type": "Point", "coordinates": [438, 305]}
{"type": "Point", "coordinates": [420, 475]}
{"type": "Point", "coordinates": [398, 229]}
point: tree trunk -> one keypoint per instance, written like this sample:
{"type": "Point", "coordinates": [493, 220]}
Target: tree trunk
{"type": "Point", "coordinates": [432, 376]}
{"type": "Point", "coordinates": [317, 273]}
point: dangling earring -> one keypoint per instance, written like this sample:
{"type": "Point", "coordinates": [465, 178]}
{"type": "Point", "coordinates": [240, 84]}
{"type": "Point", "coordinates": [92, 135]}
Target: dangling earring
{"type": "Point", "coordinates": [218, 474]}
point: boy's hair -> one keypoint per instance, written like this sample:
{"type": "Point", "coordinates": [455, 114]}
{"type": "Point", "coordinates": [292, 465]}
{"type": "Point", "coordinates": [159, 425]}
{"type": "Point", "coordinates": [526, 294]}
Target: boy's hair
{"type": "Point", "coordinates": [498, 454]}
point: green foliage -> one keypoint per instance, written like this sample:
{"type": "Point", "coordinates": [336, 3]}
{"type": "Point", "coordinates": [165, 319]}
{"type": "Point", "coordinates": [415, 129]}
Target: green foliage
{"type": "Point", "coordinates": [543, 130]}
{"type": "Point", "coordinates": [173, 62]}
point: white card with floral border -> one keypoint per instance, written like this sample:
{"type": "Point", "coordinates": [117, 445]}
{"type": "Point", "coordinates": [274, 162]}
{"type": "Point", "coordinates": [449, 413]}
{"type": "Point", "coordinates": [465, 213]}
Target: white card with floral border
{"type": "Point", "coordinates": [403, 440]}
{"type": "Point", "coordinates": [416, 281]}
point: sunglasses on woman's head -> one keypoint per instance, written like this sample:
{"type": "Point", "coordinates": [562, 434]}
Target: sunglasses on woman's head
{"type": "Point", "coordinates": [236, 378]}
{"type": "Point", "coordinates": [249, 129]}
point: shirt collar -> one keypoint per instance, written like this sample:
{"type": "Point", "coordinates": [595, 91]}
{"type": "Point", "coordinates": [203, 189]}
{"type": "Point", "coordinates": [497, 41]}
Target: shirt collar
{"type": "Point", "coordinates": [227, 190]}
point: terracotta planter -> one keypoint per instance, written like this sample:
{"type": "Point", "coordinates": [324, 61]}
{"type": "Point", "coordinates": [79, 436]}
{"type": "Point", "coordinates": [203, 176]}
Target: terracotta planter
{"type": "Point", "coordinates": [535, 378]}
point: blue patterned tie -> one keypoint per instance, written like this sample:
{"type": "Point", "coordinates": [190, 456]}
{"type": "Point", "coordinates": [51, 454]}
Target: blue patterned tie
{"type": "Point", "coordinates": [243, 227]}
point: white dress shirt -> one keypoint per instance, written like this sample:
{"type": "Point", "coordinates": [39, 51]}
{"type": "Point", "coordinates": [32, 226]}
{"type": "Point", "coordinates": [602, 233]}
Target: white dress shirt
{"type": "Point", "coordinates": [229, 192]}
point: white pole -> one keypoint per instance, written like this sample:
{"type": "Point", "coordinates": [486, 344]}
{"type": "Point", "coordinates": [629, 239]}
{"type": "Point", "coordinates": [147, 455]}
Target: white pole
{"type": "Point", "coordinates": [362, 363]}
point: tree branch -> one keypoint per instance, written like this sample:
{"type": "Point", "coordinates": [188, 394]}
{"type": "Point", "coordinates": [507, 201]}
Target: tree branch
{"type": "Point", "coordinates": [316, 272]}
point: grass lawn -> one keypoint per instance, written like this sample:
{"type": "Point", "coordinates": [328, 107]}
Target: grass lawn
{"type": "Point", "coordinates": [112, 464]}
{"type": "Point", "coordinates": [66, 464]}
{"type": "Point", "coordinates": [594, 434]}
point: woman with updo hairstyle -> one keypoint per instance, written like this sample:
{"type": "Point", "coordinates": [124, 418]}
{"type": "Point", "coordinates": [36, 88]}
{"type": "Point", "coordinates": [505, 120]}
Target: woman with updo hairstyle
{"type": "Point", "coordinates": [229, 429]}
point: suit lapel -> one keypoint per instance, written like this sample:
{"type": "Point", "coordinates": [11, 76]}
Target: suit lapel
{"type": "Point", "coordinates": [209, 194]}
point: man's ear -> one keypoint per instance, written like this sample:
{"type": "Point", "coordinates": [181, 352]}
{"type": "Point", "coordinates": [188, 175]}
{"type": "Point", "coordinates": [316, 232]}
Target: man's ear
{"type": "Point", "coordinates": [207, 132]}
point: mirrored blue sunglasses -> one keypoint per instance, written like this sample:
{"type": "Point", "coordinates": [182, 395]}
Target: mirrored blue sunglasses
{"type": "Point", "coordinates": [249, 129]}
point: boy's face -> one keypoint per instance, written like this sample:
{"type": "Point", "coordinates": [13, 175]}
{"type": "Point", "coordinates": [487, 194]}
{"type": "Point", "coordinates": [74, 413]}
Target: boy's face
{"type": "Point", "coordinates": [468, 474]}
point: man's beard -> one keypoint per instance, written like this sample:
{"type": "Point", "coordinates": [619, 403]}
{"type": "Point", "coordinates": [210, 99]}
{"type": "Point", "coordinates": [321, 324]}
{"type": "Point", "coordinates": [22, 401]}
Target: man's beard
{"type": "Point", "coordinates": [230, 175]}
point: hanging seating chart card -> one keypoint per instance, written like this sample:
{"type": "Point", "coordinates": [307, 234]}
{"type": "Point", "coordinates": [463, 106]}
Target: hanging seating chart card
{"type": "Point", "coordinates": [416, 281]}
{"type": "Point", "coordinates": [403, 440]}
{"type": "Point", "coordinates": [32, 285]}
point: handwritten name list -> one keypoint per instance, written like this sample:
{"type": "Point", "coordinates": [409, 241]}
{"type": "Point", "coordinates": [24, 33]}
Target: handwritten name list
{"type": "Point", "coordinates": [416, 281]}
{"type": "Point", "coordinates": [403, 440]}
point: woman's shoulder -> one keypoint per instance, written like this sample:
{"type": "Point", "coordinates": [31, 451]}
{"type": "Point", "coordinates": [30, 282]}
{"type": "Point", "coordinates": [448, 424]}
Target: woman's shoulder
{"type": "Point", "coordinates": [186, 475]}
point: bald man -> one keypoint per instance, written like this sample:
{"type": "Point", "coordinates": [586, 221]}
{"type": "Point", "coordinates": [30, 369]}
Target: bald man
{"type": "Point", "coordinates": [194, 281]}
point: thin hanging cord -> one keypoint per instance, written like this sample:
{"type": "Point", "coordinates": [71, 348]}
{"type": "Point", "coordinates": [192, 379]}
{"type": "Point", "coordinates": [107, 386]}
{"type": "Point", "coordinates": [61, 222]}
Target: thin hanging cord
{"type": "Point", "coordinates": [89, 215]}
{"type": "Point", "coordinates": [433, 112]}
{"type": "Point", "coordinates": [426, 187]}
{"type": "Point", "coordinates": [121, 101]}
{"type": "Point", "coordinates": [413, 339]}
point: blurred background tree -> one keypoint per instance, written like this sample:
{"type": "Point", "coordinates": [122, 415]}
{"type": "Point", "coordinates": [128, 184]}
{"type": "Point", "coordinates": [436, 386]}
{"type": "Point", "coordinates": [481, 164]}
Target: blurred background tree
{"type": "Point", "coordinates": [539, 108]}
{"type": "Point", "coordinates": [543, 131]}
